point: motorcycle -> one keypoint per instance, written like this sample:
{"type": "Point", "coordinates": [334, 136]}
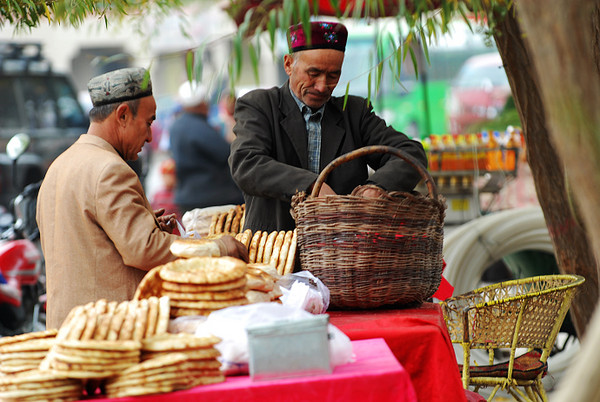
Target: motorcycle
{"type": "Point", "coordinates": [22, 280]}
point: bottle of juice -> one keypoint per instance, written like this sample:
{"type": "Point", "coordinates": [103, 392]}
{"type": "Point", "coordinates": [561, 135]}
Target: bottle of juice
{"type": "Point", "coordinates": [448, 153]}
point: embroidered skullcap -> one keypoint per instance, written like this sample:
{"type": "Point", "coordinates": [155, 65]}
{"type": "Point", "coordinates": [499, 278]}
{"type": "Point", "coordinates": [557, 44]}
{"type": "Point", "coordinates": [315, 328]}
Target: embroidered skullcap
{"type": "Point", "coordinates": [192, 94]}
{"type": "Point", "coordinates": [324, 35]}
{"type": "Point", "coordinates": [120, 86]}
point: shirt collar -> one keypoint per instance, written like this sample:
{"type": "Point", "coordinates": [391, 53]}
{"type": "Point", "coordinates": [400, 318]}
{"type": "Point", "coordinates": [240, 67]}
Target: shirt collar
{"type": "Point", "coordinates": [305, 109]}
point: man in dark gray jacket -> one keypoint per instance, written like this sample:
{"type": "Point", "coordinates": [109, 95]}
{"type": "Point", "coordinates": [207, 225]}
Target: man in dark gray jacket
{"type": "Point", "coordinates": [285, 136]}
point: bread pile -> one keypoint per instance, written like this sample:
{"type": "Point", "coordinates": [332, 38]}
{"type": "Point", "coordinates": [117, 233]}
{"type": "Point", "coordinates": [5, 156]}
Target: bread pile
{"type": "Point", "coordinates": [197, 286]}
{"type": "Point", "coordinates": [262, 284]}
{"type": "Point", "coordinates": [24, 352]}
{"type": "Point", "coordinates": [230, 222]}
{"type": "Point", "coordinates": [37, 385]}
{"type": "Point", "coordinates": [277, 248]}
{"type": "Point", "coordinates": [169, 362]}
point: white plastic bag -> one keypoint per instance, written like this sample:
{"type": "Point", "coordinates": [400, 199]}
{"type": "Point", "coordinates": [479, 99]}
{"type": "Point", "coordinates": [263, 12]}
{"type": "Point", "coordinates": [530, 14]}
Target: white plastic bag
{"type": "Point", "coordinates": [305, 291]}
{"type": "Point", "coordinates": [230, 325]}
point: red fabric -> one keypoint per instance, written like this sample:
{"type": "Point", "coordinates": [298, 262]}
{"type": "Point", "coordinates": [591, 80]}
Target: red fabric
{"type": "Point", "coordinates": [419, 339]}
{"type": "Point", "coordinates": [375, 376]}
{"type": "Point", "coordinates": [446, 289]}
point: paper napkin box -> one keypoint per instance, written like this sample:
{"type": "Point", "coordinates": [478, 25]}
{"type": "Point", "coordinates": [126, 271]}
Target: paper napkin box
{"type": "Point", "coordinates": [284, 349]}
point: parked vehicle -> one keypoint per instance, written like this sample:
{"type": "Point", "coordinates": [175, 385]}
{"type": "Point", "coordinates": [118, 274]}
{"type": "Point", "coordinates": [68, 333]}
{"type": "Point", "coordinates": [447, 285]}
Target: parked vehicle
{"type": "Point", "coordinates": [478, 93]}
{"type": "Point", "coordinates": [37, 101]}
{"type": "Point", "coordinates": [22, 277]}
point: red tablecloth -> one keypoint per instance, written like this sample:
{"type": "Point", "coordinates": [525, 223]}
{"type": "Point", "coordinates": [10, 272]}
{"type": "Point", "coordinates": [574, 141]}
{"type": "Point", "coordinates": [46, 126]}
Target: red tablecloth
{"type": "Point", "coordinates": [375, 376]}
{"type": "Point", "coordinates": [419, 339]}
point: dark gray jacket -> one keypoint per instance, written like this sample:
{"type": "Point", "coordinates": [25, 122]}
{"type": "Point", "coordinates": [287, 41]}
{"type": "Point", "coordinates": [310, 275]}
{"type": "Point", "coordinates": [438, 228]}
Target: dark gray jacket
{"type": "Point", "coordinates": [269, 158]}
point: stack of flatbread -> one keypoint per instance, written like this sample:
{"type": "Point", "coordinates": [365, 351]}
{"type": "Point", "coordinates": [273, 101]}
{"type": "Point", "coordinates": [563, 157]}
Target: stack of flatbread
{"type": "Point", "coordinates": [91, 359]}
{"type": "Point", "coordinates": [25, 352]}
{"type": "Point", "coordinates": [277, 248]}
{"type": "Point", "coordinates": [38, 385]}
{"type": "Point", "coordinates": [262, 284]}
{"type": "Point", "coordinates": [231, 221]}
{"type": "Point", "coordinates": [200, 285]}
{"type": "Point", "coordinates": [101, 338]}
{"type": "Point", "coordinates": [112, 321]}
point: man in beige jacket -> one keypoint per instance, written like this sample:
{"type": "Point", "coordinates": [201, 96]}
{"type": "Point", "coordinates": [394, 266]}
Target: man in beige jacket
{"type": "Point", "coordinates": [98, 231]}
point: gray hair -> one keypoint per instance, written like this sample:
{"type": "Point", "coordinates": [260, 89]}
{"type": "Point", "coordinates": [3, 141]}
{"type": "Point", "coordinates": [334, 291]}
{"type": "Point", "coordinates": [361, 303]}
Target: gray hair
{"type": "Point", "coordinates": [100, 113]}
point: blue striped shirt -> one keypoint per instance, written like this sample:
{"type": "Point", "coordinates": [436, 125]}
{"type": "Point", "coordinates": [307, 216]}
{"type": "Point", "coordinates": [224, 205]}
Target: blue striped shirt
{"type": "Point", "coordinates": [313, 128]}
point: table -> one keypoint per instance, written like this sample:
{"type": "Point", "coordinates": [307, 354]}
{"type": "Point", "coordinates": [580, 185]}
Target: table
{"type": "Point", "coordinates": [375, 376]}
{"type": "Point", "coordinates": [419, 339]}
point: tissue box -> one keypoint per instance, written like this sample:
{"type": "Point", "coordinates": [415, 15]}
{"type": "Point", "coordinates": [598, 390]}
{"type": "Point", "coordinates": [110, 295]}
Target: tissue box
{"type": "Point", "coordinates": [286, 349]}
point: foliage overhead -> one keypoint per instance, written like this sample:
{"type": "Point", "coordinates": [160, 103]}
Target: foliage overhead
{"type": "Point", "coordinates": [28, 14]}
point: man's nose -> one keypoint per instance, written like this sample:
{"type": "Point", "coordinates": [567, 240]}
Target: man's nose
{"type": "Point", "coordinates": [321, 84]}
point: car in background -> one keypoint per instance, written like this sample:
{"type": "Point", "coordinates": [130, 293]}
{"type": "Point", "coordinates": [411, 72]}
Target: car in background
{"type": "Point", "coordinates": [39, 102]}
{"type": "Point", "coordinates": [478, 93]}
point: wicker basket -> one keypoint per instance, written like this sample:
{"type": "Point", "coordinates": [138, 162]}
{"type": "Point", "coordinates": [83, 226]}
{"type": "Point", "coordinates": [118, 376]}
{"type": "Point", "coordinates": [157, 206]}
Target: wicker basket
{"type": "Point", "coordinates": [372, 252]}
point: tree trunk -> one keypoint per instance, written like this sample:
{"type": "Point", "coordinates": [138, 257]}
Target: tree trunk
{"type": "Point", "coordinates": [569, 237]}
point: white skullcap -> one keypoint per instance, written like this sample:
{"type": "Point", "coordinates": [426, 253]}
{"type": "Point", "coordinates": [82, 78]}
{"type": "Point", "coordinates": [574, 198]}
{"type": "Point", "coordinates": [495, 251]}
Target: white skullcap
{"type": "Point", "coordinates": [192, 94]}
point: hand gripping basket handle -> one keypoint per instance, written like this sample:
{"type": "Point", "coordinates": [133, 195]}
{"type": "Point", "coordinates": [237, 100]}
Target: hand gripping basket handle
{"type": "Point", "coordinates": [357, 153]}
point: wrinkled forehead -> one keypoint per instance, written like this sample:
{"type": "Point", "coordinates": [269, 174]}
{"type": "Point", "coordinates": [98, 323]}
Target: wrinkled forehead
{"type": "Point", "coordinates": [325, 59]}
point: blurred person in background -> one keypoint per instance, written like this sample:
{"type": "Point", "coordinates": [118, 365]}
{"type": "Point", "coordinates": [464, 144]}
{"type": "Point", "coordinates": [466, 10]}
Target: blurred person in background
{"type": "Point", "coordinates": [200, 153]}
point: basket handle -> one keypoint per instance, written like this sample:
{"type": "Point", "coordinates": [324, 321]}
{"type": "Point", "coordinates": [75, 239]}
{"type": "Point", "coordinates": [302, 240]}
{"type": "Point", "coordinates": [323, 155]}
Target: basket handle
{"type": "Point", "coordinates": [373, 149]}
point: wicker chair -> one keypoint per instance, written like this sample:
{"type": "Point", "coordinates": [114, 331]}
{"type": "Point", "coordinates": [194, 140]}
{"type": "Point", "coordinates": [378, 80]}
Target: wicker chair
{"type": "Point", "coordinates": [523, 313]}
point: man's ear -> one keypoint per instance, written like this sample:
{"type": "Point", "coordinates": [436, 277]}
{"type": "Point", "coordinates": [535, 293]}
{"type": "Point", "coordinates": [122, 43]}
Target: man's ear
{"type": "Point", "coordinates": [122, 113]}
{"type": "Point", "coordinates": [288, 60]}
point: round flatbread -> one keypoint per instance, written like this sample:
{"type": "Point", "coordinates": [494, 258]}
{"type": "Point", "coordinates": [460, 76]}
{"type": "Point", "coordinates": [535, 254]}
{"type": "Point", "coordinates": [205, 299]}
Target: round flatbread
{"type": "Point", "coordinates": [285, 247]}
{"type": "Point", "coordinates": [178, 342]}
{"type": "Point", "coordinates": [261, 246]}
{"type": "Point", "coordinates": [254, 246]}
{"type": "Point", "coordinates": [275, 255]}
{"type": "Point", "coordinates": [269, 247]}
{"type": "Point", "coordinates": [190, 247]}
{"type": "Point", "coordinates": [6, 340]}
{"type": "Point", "coordinates": [237, 216]}
{"type": "Point", "coordinates": [126, 332]}
{"type": "Point", "coordinates": [213, 224]}
{"type": "Point", "coordinates": [217, 295]}
{"type": "Point", "coordinates": [164, 313]}
{"type": "Point", "coordinates": [199, 288]}
{"type": "Point", "coordinates": [152, 316]}
{"type": "Point", "coordinates": [141, 320]}
{"type": "Point", "coordinates": [216, 304]}
{"type": "Point", "coordinates": [78, 322]}
{"type": "Point", "coordinates": [228, 220]}
{"type": "Point", "coordinates": [246, 237]}
{"type": "Point", "coordinates": [117, 321]}
{"type": "Point", "coordinates": [291, 257]}
{"type": "Point", "coordinates": [150, 285]}
{"type": "Point", "coordinates": [203, 270]}
{"type": "Point", "coordinates": [221, 223]}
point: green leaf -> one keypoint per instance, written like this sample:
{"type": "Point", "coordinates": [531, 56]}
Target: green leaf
{"type": "Point", "coordinates": [254, 60]}
{"type": "Point", "coordinates": [305, 19]}
{"type": "Point", "coordinates": [272, 28]}
{"type": "Point", "coordinates": [189, 65]}
{"type": "Point", "coordinates": [346, 94]}
{"type": "Point", "coordinates": [378, 78]}
{"type": "Point", "coordinates": [425, 47]}
{"type": "Point", "coordinates": [414, 62]}
{"type": "Point", "coordinates": [369, 89]}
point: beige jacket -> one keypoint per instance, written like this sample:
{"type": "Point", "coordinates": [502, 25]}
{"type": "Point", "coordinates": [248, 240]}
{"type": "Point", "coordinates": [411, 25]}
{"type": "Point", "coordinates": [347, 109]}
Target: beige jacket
{"type": "Point", "coordinates": [99, 234]}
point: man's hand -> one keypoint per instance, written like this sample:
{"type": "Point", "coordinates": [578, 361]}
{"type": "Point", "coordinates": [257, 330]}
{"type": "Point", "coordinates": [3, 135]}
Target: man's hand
{"type": "Point", "coordinates": [166, 222]}
{"type": "Point", "coordinates": [233, 248]}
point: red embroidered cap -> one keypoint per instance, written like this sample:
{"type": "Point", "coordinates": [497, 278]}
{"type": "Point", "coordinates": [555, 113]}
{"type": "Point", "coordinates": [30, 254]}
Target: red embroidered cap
{"type": "Point", "coordinates": [324, 35]}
